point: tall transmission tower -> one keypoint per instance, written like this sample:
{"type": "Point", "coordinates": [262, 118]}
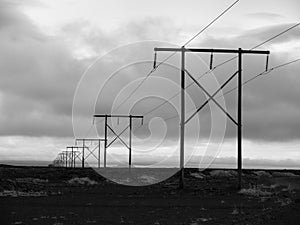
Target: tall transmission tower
{"type": "Point", "coordinates": [240, 52]}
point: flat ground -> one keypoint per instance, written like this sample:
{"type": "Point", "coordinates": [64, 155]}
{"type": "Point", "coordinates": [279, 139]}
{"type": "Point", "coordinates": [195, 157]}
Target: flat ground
{"type": "Point", "coordinates": [40, 195]}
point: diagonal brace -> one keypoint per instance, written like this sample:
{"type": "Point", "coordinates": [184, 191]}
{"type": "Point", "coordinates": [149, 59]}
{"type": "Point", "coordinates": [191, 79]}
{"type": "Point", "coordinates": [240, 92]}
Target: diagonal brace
{"type": "Point", "coordinates": [199, 85]}
{"type": "Point", "coordinates": [91, 152]}
{"type": "Point", "coordinates": [118, 136]}
{"type": "Point", "coordinates": [77, 156]}
{"type": "Point", "coordinates": [205, 103]}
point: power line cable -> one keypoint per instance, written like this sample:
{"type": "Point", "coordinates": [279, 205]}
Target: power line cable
{"type": "Point", "coordinates": [261, 74]}
{"type": "Point", "coordinates": [247, 81]}
{"type": "Point", "coordinates": [214, 20]}
{"type": "Point", "coordinates": [172, 54]}
{"type": "Point", "coordinates": [221, 64]}
{"type": "Point", "coordinates": [276, 36]}
{"type": "Point", "coordinates": [259, 45]}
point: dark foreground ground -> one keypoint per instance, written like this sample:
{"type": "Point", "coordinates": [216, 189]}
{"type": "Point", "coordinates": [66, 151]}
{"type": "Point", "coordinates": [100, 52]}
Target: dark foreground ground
{"type": "Point", "coordinates": [39, 195]}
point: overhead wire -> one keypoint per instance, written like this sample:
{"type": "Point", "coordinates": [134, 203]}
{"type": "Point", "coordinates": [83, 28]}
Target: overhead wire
{"type": "Point", "coordinates": [172, 54]}
{"type": "Point", "coordinates": [142, 82]}
{"type": "Point", "coordinates": [261, 74]}
{"type": "Point", "coordinates": [246, 82]}
{"type": "Point", "coordinates": [213, 21]}
{"type": "Point", "coordinates": [257, 46]}
{"type": "Point", "coordinates": [221, 64]}
{"type": "Point", "coordinates": [209, 71]}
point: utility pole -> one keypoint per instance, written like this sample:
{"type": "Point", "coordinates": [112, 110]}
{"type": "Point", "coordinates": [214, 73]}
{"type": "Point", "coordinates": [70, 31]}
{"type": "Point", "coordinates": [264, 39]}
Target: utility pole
{"type": "Point", "coordinates": [182, 120]}
{"type": "Point", "coordinates": [239, 112]}
{"type": "Point", "coordinates": [105, 142]}
{"type": "Point", "coordinates": [83, 147]}
{"type": "Point", "coordinates": [71, 155]}
{"type": "Point", "coordinates": [99, 144]}
{"type": "Point", "coordinates": [118, 135]}
{"type": "Point", "coordinates": [66, 159]}
{"type": "Point", "coordinates": [239, 53]}
{"type": "Point", "coordinates": [130, 132]}
{"type": "Point", "coordinates": [90, 151]}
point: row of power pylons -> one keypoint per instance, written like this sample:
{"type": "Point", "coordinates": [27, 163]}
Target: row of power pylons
{"type": "Point", "coordinates": [69, 159]}
{"type": "Point", "coordinates": [86, 148]}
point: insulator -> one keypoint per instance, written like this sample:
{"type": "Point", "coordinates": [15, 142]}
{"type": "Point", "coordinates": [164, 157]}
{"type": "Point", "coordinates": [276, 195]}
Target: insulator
{"type": "Point", "coordinates": [267, 63]}
{"type": "Point", "coordinates": [154, 62]}
{"type": "Point", "coordinates": [211, 61]}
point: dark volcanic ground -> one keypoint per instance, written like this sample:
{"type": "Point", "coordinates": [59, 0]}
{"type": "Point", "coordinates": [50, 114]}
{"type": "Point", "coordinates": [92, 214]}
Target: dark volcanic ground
{"type": "Point", "coordinates": [40, 195]}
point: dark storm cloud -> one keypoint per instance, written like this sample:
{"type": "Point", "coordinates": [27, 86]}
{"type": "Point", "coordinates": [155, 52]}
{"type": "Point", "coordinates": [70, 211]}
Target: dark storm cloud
{"type": "Point", "coordinates": [24, 116]}
{"type": "Point", "coordinates": [38, 78]}
{"type": "Point", "coordinates": [8, 14]}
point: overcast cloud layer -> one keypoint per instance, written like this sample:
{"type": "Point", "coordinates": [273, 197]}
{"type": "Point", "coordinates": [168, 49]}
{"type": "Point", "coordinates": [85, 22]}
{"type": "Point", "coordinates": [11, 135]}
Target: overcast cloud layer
{"type": "Point", "coordinates": [40, 72]}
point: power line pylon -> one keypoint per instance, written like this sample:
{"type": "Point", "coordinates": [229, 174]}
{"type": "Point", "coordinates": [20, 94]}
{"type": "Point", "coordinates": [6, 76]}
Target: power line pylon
{"type": "Point", "coordinates": [240, 52]}
{"type": "Point", "coordinates": [84, 156]}
{"type": "Point", "coordinates": [118, 135]}
{"type": "Point", "coordinates": [71, 154]}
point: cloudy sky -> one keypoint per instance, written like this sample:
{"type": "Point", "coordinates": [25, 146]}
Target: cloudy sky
{"type": "Point", "coordinates": [98, 52]}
